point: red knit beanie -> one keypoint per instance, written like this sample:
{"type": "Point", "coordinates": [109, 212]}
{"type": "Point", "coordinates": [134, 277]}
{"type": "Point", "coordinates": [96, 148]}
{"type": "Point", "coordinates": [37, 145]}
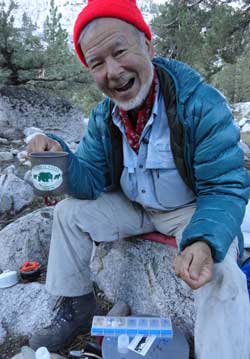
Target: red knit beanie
{"type": "Point", "coordinates": [126, 10]}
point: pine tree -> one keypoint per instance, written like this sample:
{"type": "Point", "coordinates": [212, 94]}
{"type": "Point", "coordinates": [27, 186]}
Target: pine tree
{"type": "Point", "coordinates": [206, 34]}
{"type": "Point", "coordinates": [63, 73]}
{"type": "Point", "coordinates": [46, 63]}
{"type": "Point", "coordinates": [20, 51]}
{"type": "Point", "coordinates": [55, 37]}
{"type": "Point", "coordinates": [8, 36]}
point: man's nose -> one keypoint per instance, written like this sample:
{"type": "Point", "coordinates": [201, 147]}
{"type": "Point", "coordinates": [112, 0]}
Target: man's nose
{"type": "Point", "coordinates": [113, 68]}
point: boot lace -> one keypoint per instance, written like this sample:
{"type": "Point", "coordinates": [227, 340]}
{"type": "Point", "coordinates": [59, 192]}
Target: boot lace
{"type": "Point", "coordinates": [64, 310]}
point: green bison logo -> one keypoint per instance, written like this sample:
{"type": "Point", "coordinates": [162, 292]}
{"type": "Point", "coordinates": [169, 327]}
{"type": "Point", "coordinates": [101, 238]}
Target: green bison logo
{"type": "Point", "coordinates": [46, 176]}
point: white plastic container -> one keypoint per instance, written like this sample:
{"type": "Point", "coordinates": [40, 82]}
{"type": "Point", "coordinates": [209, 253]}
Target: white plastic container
{"type": "Point", "coordinates": [8, 279]}
{"type": "Point", "coordinates": [122, 343]}
{"type": "Point", "coordinates": [42, 353]}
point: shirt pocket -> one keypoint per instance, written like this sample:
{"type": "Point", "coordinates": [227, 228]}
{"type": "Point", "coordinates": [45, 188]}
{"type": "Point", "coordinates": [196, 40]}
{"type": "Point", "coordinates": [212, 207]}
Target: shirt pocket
{"type": "Point", "coordinates": [160, 157]}
{"type": "Point", "coordinates": [169, 188]}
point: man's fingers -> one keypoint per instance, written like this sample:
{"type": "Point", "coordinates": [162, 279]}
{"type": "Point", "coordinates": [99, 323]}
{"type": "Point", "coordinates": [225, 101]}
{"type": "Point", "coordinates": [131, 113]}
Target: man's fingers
{"type": "Point", "coordinates": [194, 284]}
{"type": "Point", "coordinates": [56, 147]}
{"type": "Point", "coordinates": [196, 267]}
{"type": "Point", "coordinates": [37, 144]}
{"type": "Point", "coordinates": [41, 143]}
{"type": "Point", "coordinates": [204, 277]}
{"type": "Point", "coordinates": [182, 263]}
{"type": "Point", "coordinates": [206, 272]}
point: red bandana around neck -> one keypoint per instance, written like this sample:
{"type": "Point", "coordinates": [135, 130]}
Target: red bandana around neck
{"type": "Point", "coordinates": [133, 135]}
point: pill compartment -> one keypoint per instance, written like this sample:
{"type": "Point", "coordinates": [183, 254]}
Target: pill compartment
{"type": "Point", "coordinates": [132, 327]}
{"type": "Point", "coordinates": [143, 323]}
{"type": "Point", "coordinates": [155, 326]}
{"type": "Point", "coordinates": [166, 328]}
{"type": "Point", "coordinates": [98, 325]}
{"type": "Point", "coordinates": [99, 321]}
{"type": "Point", "coordinates": [121, 326]}
{"type": "Point", "coordinates": [114, 326]}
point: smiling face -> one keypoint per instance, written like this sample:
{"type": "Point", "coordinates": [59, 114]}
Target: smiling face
{"type": "Point", "coordinates": [119, 59]}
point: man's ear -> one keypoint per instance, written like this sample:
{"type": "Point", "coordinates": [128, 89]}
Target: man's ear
{"type": "Point", "coordinates": [150, 47]}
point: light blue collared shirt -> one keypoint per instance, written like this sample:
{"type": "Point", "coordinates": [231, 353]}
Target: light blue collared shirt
{"type": "Point", "coordinates": [150, 177]}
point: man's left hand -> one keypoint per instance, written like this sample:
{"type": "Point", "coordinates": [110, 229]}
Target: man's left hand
{"type": "Point", "coordinates": [194, 264]}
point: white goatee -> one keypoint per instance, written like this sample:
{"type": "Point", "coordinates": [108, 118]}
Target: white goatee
{"type": "Point", "coordinates": [140, 97]}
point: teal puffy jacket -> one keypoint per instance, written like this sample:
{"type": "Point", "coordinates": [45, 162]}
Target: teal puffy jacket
{"type": "Point", "coordinates": [205, 146]}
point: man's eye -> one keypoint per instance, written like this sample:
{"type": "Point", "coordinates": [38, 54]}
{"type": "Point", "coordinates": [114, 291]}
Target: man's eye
{"type": "Point", "coordinates": [120, 52]}
{"type": "Point", "coordinates": [96, 65]}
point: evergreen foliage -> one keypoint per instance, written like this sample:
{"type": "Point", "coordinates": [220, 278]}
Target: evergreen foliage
{"type": "Point", "coordinates": [21, 53]}
{"type": "Point", "coordinates": [234, 79]}
{"type": "Point", "coordinates": [206, 34]}
{"type": "Point", "coordinates": [43, 62]}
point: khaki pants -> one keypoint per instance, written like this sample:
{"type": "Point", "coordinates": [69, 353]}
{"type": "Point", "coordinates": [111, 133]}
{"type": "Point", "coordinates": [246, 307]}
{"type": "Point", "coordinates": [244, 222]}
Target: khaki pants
{"type": "Point", "coordinates": [222, 328]}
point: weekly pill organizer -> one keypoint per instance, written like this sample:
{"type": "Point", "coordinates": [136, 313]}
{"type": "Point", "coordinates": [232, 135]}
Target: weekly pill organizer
{"type": "Point", "coordinates": [115, 326]}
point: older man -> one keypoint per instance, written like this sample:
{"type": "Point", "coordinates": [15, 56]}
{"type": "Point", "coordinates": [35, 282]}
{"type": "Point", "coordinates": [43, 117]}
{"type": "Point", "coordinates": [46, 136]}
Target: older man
{"type": "Point", "coordinates": [160, 153]}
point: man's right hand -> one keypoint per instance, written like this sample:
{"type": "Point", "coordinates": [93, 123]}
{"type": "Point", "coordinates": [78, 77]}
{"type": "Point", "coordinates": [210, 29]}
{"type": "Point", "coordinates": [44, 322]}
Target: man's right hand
{"type": "Point", "coordinates": [41, 143]}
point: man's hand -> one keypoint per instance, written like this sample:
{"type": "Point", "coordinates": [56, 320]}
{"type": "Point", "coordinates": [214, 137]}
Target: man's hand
{"type": "Point", "coordinates": [41, 143]}
{"type": "Point", "coordinates": [194, 265]}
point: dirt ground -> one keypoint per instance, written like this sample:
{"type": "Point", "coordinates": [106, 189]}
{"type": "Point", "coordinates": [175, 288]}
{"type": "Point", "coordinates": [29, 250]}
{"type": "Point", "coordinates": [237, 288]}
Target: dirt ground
{"type": "Point", "coordinates": [13, 346]}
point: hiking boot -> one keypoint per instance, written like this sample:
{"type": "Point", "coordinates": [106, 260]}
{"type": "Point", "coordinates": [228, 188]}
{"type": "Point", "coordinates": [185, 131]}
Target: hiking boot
{"type": "Point", "coordinates": [74, 317]}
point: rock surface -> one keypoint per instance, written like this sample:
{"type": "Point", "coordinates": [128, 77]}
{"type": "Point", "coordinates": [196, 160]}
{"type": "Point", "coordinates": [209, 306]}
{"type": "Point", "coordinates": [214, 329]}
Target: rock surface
{"type": "Point", "coordinates": [242, 110]}
{"type": "Point", "coordinates": [24, 308]}
{"type": "Point", "coordinates": [25, 239]}
{"type": "Point", "coordinates": [242, 115]}
{"type": "Point", "coordinates": [3, 335]}
{"type": "Point", "coordinates": [144, 279]}
{"type": "Point", "coordinates": [6, 156]}
{"type": "Point", "coordinates": [39, 9]}
{"type": "Point", "coordinates": [20, 108]}
{"type": "Point", "coordinates": [135, 271]}
{"type": "Point", "coordinates": [15, 193]}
